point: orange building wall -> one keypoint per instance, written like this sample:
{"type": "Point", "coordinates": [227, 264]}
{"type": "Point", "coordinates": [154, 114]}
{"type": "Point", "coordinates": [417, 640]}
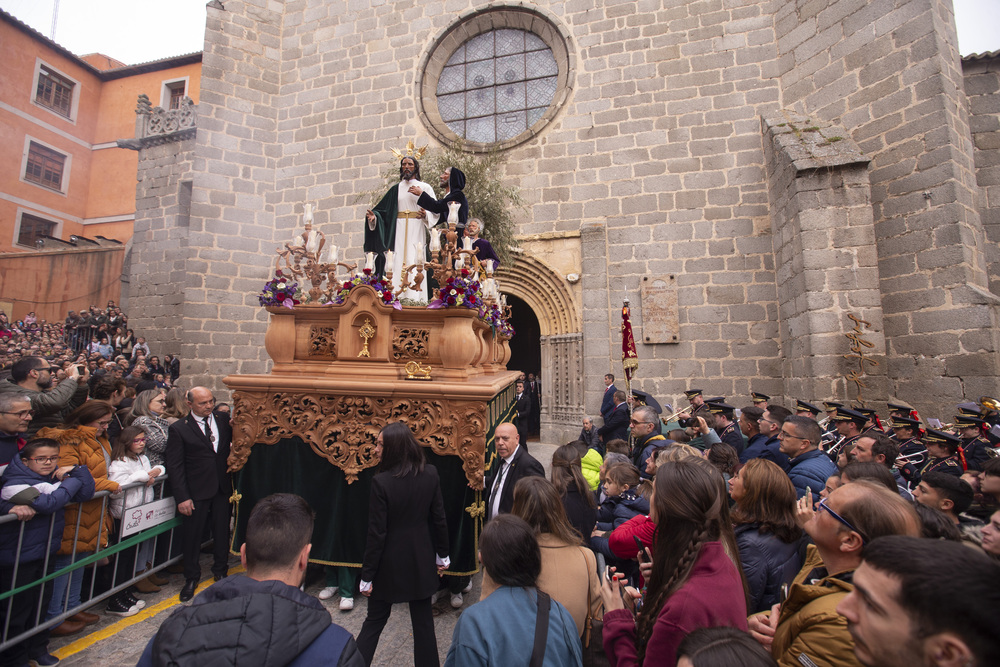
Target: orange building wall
{"type": "Point", "coordinates": [52, 283]}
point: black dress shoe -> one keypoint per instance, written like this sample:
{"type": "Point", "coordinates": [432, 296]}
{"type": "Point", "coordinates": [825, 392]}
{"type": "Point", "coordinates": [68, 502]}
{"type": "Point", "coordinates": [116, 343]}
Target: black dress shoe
{"type": "Point", "coordinates": [219, 577]}
{"type": "Point", "coordinates": [188, 591]}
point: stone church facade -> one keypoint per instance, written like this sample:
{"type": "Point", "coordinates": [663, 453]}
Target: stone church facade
{"type": "Point", "coordinates": [747, 173]}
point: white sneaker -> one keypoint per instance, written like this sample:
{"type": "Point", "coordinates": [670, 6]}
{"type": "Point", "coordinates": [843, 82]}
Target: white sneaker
{"type": "Point", "coordinates": [346, 604]}
{"type": "Point", "coordinates": [437, 595]}
{"type": "Point", "coordinates": [456, 600]}
{"type": "Point", "coordinates": [468, 587]}
{"type": "Point", "coordinates": [327, 593]}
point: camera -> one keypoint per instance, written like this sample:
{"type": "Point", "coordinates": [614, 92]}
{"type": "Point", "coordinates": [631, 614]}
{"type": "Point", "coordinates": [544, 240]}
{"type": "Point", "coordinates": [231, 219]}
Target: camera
{"type": "Point", "coordinates": [81, 369]}
{"type": "Point", "coordinates": [688, 422]}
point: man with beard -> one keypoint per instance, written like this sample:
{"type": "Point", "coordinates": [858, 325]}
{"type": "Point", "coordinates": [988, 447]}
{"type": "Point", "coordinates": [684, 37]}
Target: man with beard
{"type": "Point", "coordinates": [904, 609]}
{"type": "Point", "coordinates": [34, 377]}
{"type": "Point", "coordinates": [397, 223]}
{"type": "Point", "coordinates": [452, 180]}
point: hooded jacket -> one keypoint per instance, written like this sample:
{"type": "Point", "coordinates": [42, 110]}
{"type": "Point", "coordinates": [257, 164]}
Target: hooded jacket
{"type": "Point", "coordinates": [76, 486]}
{"type": "Point", "coordinates": [80, 445]}
{"type": "Point", "coordinates": [242, 621]}
{"type": "Point", "coordinates": [768, 564]}
{"type": "Point", "coordinates": [456, 182]}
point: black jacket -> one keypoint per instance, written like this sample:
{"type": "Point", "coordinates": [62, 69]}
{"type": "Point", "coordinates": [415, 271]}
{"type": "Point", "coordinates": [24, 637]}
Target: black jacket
{"type": "Point", "coordinates": [241, 621]}
{"type": "Point", "coordinates": [406, 529]}
{"type": "Point", "coordinates": [197, 472]}
{"type": "Point", "coordinates": [456, 181]}
{"type": "Point", "coordinates": [522, 465]}
{"type": "Point", "coordinates": [615, 424]}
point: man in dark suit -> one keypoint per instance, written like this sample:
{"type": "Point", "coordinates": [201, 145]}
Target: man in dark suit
{"type": "Point", "coordinates": [616, 423]}
{"type": "Point", "coordinates": [535, 394]}
{"type": "Point", "coordinates": [197, 449]}
{"type": "Point", "coordinates": [522, 404]}
{"type": "Point", "coordinates": [514, 463]}
{"type": "Point", "coordinates": [608, 402]}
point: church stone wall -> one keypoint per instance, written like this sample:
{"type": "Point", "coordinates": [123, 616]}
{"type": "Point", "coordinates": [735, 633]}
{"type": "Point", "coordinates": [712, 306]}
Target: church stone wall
{"type": "Point", "coordinates": [657, 158]}
{"type": "Point", "coordinates": [982, 86]}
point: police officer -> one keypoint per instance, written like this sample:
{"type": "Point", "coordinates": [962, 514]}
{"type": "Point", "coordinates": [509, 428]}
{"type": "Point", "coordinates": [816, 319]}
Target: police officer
{"type": "Point", "coordinates": [942, 449]}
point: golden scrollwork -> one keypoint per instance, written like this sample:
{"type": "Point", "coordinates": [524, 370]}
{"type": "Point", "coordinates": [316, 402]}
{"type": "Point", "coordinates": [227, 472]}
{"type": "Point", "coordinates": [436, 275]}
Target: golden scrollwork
{"type": "Point", "coordinates": [477, 510]}
{"type": "Point", "coordinates": [410, 343]}
{"type": "Point", "coordinates": [322, 341]}
{"type": "Point", "coordinates": [414, 371]}
{"type": "Point", "coordinates": [858, 347]}
{"type": "Point", "coordinates": [342, 429]}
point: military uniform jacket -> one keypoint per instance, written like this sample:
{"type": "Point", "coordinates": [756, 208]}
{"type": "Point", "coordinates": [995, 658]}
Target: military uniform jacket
{"type": "Point", "coordinates": [948, 465]}
{"type": "Point", "coordinates": [732, 436]}
{"type": "Point", "coordinates": [976, 452]}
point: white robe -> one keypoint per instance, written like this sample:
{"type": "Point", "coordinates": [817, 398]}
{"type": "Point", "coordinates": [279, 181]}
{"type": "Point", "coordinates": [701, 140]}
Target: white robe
{"type": "Point", "coordinates": [411, 239]}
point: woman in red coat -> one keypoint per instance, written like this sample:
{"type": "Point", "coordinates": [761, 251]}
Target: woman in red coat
{"type": "Point", "coordinates": [694, 582]}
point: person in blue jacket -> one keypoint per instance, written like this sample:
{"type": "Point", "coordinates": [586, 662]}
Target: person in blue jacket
{"type": "Point", "coordinates": [34, 479]}
{"type": "Point", "coordinates": [809, 466]}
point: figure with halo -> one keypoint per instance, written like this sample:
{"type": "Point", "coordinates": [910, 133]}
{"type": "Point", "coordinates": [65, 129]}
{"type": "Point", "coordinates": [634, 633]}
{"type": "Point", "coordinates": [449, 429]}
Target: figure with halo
{"type": "Point", "coordinates": [398, 224]}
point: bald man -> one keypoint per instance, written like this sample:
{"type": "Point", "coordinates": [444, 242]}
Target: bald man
{"type": "Point", "coordinates": [511, 464]}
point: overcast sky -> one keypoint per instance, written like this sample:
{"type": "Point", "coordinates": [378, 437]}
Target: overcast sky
{"type": "Point", "coordinates": [136, 31]}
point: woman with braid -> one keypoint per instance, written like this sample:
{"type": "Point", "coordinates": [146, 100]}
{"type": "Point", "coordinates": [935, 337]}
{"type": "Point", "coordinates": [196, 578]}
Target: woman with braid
{"type": "Point", "coordinates": [694, 583]}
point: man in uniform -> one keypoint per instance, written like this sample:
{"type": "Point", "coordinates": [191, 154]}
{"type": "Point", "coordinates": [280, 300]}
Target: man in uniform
{"type": "Point", "coordinates": [759, 400]}
{"type": "Point", "coordinates": [803, 409]}
{"type": "Point", "coordinates": [942, 456]}
{"type": "Point", "coordinates": [974, 444]}
{"type": "Point", "coordinates": [872, 425]}
{"type": "Point", "coordinates": [900, 409]}
{"type": "Point", "coordinates": [727, 429]}
{"type": "Point", "coordinates": [906, 432]}
{"type": "Point", "coordinates": [849, 424]}
{"type": "Point", "coordinates": [696, 400]}
{"type": "Point", "coordinates": [398, 224]}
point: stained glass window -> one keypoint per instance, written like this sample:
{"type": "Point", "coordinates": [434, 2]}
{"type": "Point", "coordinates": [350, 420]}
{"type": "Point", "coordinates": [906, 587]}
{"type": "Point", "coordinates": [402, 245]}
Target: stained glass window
{"type": "Point", "coordinates": [497, 85]}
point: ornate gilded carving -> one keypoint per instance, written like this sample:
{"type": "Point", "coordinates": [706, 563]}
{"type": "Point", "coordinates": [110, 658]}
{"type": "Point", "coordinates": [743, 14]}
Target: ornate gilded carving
{"type": "Point", "coordinates": [342, 429]}
{"type": "Point", "coordinates": [414, 371]}
{"type": "Point", "coordinates": [367, 332]}
{"type": "Point", "coordinates": [322, 341]}
{"type": "Point", "coordinates": [410, 343]}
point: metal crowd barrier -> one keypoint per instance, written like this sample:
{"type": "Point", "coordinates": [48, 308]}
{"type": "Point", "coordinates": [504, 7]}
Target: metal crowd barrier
{"type": "Point", "coordinates": [87, 597]}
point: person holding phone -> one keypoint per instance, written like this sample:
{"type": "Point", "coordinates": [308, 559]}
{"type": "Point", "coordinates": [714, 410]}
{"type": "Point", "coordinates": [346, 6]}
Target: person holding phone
{"type": "Point", "coordinates": [693, 582]}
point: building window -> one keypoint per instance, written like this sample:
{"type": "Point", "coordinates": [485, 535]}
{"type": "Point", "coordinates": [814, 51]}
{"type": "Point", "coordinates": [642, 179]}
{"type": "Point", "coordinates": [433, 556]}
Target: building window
{"type": "Point", "coordinates": [54, 92]}
{"type": "Point", "coordinates": [176, 94]}
{"type": "Point", "coordinates": [44, 166]}
{"type": "Point", "coordinates": [32, 229]}
{"type": "Point", "coordinates": [496, 78]}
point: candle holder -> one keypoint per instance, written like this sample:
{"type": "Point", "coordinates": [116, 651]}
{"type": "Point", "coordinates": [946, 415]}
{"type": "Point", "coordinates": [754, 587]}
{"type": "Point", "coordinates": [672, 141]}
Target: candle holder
{"type": "Point", "coordinates": [301, 258]}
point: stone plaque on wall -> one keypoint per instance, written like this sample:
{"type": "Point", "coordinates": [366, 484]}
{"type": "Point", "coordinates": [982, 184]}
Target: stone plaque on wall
{"type": "Point", "coordinates": [659, 310]}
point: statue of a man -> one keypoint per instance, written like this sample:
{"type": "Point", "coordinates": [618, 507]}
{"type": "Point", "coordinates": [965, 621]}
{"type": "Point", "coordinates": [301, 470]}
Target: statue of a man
{"type": "Point", "coordinates": [397, 223]}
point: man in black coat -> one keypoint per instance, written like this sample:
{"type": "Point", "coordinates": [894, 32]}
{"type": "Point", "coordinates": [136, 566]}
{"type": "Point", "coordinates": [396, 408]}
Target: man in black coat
{"type": "Point", "coordinates": [513, 463]}
{"type": "Point", "coordinates": [453, 181]}
{"type": "Point", "coordinates": [197, 449]}
{"type": "Point", "coordinates": [616, 423]}
{"type": "Point", "coordinates": [522, 404]}
{"type": "Point", "coordinates": [534, 388]}
{"type": "Point", "coordinates": [608, 401]}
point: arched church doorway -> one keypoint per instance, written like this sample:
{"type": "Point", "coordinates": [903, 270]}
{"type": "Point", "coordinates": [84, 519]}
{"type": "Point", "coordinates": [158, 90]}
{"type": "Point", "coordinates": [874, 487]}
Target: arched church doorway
{"type": "Point", "coordinates": [526, 345]}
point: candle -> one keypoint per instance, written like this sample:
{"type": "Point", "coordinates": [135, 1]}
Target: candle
{"type": "Point", "coordinates": [418, 253]}
{"type": "Point", "coordinates": [370, 261]}
{"type": "Point", "coordinates": [388, 260]}
{"type": "Point", "coordinates": [312, 244]}
{"type": "Point", "coordinates": [489, 266]}
{"type": "Point", "coordinates": [503, 300]}
{"type": "Point", "coordinates": [435, 240]}
{"type": "Point", "coordinates": [298, 241]}
{"type": "Point", "coordinates": [459, 263]}
{"type": "Point", "coordinates": [466, 243]}
{"type": "Point", "coordinates": [308, 217]}
{"type": "Point", "coordinates": [332, 255]}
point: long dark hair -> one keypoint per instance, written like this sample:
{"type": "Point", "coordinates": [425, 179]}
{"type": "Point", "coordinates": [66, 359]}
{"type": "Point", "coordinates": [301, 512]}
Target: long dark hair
{"type": "Point", "coordinates": [123, 443]}
{"type": "Point", "coordinates": [537, 502]}
{"type": "Point", "coordinates": [768, 499]}
{"type": "Point", "coordinates": [690, 509]}
{"type": "Point", "coordinates": [567, 472]}
{"type": "Point", "coordinates": [402, 455]}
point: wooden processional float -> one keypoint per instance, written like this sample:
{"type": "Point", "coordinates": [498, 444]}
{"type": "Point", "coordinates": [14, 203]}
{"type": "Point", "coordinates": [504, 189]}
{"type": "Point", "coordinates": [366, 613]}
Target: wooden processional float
{"type": "Point", "coordinates": [351, 360]}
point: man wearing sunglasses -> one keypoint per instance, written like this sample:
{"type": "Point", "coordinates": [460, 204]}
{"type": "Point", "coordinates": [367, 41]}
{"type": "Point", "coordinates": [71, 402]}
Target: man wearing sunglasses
{"type": "Point", "coordinates": [806, 629]}
{"type": "Point", "coordinates": [35, 377]}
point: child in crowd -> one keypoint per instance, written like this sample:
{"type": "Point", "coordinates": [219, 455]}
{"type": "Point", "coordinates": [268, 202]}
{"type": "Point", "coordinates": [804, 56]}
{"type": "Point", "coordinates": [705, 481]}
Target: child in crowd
{"type": "Point", "coordinates": [35, 479]}
{"type": "Point", "coordinates": [622, 503]}
{"type": "Point", "coordinates": [130, 465]}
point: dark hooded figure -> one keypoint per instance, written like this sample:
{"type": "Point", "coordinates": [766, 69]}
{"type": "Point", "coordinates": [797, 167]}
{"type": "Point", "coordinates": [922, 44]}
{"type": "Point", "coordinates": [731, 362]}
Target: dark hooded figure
{"type": "Point", "coordinates": [453, 181]}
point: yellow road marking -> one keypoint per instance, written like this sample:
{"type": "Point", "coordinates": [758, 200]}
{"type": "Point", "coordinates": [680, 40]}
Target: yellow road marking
{"type": "Point", "coordinates": [148, 612]}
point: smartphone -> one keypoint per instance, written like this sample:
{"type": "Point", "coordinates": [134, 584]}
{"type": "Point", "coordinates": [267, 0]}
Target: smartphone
{"type": "Point", "coordinates": [81, 369]}
{"type": "Point", "coordinates": [642, 548]}
{"type": "Point", "coordinates": [809, 493]}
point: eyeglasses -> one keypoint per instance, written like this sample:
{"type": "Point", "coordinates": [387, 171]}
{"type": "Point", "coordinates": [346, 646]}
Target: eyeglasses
{"type": "Point", "coordinates": [842, 520]}
{"type": "Point", "coordinates": [45, 459]}
{"type": "Point", "coordinates": [782, 434]}
{"type": "Point", "coordinates": [633, 422]}
{"type": "Point", "coordinates": [23, 414]}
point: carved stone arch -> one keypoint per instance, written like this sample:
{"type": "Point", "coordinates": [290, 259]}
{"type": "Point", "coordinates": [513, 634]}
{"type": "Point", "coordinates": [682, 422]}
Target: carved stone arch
{"type": "Point", "coordinates": [560, 323]}
{"type": "Point", "coordinates": [546, 291]}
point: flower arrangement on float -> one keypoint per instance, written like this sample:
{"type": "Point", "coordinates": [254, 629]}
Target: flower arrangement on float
{"type": "Point", "coordinates": [279, 291]}
{"type": "Point", "coordinates": [381, 286]}
{"type": "Point", "coordinates": [493, 316]}
{"type": "Point", "coordinates": [459, 291]}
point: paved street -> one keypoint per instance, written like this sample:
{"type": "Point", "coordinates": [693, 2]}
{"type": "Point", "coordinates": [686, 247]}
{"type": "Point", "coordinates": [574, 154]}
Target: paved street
{"type": "Point", "coordinates": [117, 642]}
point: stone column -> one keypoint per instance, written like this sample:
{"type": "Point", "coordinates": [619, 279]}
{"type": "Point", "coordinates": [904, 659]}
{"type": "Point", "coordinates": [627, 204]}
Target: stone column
{"type": "Point", "coordinates": [824, 245]}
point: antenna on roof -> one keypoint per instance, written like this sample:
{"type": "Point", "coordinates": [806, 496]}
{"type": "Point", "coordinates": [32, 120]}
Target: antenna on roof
{"type": "Point", "coordinates": [55, 18]}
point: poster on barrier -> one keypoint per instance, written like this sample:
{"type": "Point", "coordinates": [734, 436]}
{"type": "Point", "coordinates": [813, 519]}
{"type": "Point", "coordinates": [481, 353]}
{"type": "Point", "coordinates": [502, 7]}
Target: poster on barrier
{"type": "Point", "coordinates": [139, 518]}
